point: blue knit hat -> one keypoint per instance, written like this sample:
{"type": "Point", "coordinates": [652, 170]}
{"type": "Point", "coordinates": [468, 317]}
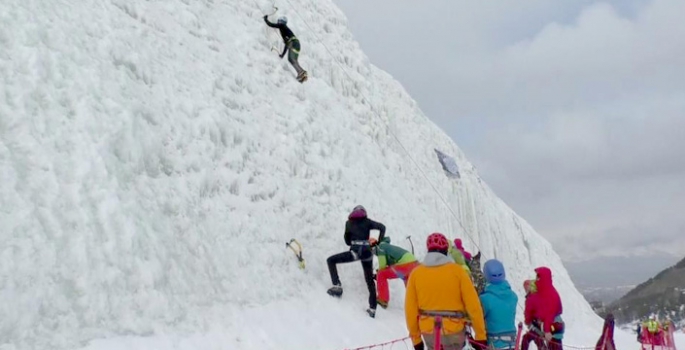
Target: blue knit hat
{"type": "Point", "coordinates": [494, 271]}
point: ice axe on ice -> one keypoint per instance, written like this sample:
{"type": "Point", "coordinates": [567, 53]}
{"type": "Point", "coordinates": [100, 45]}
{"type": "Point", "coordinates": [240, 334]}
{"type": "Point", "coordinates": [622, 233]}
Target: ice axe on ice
{"type": "Point", "coordinates": [412, 244]}
{"type": "Point", "coordinates": [275, 9]}
{"type": "Point", "coordinates": [295, 246]}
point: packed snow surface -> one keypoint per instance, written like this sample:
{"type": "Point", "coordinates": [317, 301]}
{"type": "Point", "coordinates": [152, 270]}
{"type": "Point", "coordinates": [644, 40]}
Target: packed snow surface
{"type": "Point", "coordinates": [155, 156]}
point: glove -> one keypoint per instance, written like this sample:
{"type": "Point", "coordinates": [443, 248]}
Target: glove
{"type": "Point", "coordinates": [281, 56]}
{"type": "Point", "coordinates": [548, 336]}
{"type": "Point", "coordinates": [418, 346]}
{"type": "Point", "coordinates": [265, 16]}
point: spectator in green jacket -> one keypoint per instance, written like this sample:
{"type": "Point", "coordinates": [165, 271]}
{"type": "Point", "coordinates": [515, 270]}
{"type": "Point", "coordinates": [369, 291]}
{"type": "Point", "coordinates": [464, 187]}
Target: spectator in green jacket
{"type": "Point", "coordinates": [393, 262]}
{"type": "Point", "coordinates": [458, 258]}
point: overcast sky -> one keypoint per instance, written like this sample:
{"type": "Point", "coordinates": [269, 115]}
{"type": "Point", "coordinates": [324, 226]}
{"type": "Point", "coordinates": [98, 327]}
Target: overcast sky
{"type": "Point", "coordinates": [573, 111]}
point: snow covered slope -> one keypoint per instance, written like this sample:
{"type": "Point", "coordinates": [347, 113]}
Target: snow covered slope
{"type": "Point", "coordinates": [155, 156]}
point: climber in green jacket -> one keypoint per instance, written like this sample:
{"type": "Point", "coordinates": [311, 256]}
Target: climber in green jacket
{"type": "Point", "coordinates": [393, 262]}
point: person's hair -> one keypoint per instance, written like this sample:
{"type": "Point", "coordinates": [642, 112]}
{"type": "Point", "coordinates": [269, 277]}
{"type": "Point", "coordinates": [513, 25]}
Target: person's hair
{"type": "Point", "coordinates": [442, 251]}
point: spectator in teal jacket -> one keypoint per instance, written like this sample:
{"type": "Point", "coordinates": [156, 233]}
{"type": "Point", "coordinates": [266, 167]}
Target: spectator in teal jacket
{"type": "Point", "coordinates": [393, 262]}
{"type": "Point", "coordinates": [499, 307]}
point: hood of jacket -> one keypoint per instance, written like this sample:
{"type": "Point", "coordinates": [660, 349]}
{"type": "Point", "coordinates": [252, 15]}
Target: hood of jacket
{"type": "Point", "coordinates": [544, 278]}
{"type": "Point", "coordinates": [357, 214]}
{"type": "Point", "coordinates": [436, 259]}
{"type": "Point", "coordinates": [494, 271]}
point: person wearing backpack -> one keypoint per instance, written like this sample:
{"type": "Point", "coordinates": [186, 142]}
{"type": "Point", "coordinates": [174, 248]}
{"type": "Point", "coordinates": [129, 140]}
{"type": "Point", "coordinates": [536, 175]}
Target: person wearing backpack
{"type": "Point", "coordinates": [393, 262]}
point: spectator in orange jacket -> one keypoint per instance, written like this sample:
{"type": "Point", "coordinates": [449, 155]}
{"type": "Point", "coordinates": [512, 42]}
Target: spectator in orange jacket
{"type": "Point", "coordinates": [439, 286]}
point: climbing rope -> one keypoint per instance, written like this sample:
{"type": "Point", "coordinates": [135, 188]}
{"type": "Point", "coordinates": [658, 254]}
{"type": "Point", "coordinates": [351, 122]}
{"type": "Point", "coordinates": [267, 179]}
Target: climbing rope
{"type": "Point", "coordinates": [390, 345]}
{"type": "Point", "coordinates": [388, 129]}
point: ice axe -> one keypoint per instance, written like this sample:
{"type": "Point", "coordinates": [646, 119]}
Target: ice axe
{"type": "Point", "coordinates": [271, 14]}
{"type": "Point", "coordinates": [273, 5]}
{"type": "Point", "coordinates": [412, 244]}
{"type": "Point", "coordinates": [296, 247]}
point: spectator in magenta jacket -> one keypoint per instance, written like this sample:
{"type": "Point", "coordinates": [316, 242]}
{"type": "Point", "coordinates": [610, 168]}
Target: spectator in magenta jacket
{"type": "Point", "coordinates": [545, 307]}
{"type": "Point", "coordinates": [460, 247]}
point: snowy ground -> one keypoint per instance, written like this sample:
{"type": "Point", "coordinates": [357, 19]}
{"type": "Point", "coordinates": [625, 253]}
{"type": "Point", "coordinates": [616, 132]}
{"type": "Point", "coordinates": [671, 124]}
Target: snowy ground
{"type": "Point", "coordinates": [156, 156]}
{"type": "Point", "coordinates": [366, 331]}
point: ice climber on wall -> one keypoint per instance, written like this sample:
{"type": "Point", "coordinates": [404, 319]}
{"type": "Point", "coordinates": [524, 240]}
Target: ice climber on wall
{"type": "Point", "coordinates": [357, 233]}
{"type": "Point", "coordinates": [545, 306]}
{"type": "Point", "coordinates": [499, 307]}
{"type": "Point", "coordinates": [393, 262]}
{"type": "Point", "coordinates": [439, 287]}
{"type": "Point", "coordinates": [292, 45]}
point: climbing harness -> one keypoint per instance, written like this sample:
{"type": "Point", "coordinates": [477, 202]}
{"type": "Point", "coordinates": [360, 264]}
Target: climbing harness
{"type": "Point", "coordinates": [437, 322]}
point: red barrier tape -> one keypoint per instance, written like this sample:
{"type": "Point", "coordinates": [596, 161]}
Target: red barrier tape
{"type": "Point", "coordinates": [402, 340]}
{"type": "Point", "coordinates": [381, 345]}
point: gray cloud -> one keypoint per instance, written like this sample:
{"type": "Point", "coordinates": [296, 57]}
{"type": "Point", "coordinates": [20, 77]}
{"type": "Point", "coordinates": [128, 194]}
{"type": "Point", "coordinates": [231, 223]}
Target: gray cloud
{"type": "Point", "coordinates": [574, 112]}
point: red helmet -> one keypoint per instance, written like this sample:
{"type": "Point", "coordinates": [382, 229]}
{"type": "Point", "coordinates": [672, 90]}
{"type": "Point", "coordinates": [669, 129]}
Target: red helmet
{"type": "Point", "coordinates": [437, 241]}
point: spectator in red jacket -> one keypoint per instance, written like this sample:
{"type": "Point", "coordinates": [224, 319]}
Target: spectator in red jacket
{"type": "Point", "coordinates": [545, 307]}
{"type": "Point", "coordinates": [534, 333]}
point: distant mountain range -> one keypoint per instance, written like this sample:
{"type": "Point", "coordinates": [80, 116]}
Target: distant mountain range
{"type": "Point", "coordinates": [605, 279]}
{"type": "Point", "coordinates": [664, 295]}
{"type": "Point", "coordinates": [604, 295]}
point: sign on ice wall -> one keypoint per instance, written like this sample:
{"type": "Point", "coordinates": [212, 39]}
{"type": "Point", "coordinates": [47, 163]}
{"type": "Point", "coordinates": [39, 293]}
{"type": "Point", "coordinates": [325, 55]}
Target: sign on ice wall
{"type": "Point", "coordinates": [448, 164]}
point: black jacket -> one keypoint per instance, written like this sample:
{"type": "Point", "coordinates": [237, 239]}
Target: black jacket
{"type": "Point", "coordinates": [286, 33]}
{"type": "Point", "coordinates": [360, 230]}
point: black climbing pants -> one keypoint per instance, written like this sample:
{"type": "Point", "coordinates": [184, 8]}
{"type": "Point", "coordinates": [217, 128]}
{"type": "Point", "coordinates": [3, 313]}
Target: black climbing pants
{"type": "Point", "coordinates": [355, 253]}
{"type": "Point", "coordinates": [293, 53]}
